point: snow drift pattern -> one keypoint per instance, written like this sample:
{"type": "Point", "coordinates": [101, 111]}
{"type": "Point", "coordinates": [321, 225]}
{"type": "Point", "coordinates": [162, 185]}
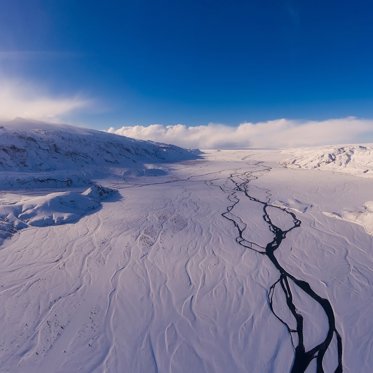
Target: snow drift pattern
{"type": "Point", "coordinates": [46, 210]}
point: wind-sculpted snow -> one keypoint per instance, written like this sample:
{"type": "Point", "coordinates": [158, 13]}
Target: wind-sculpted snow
{"type": "Point", "coordinates": [226, 264]}
{"type": "Point", "coordinates": [362, 216]}
{"type": "Point", "coordinates": [17, 212]}
{"type": "Point", "coordinates": [352, 159]}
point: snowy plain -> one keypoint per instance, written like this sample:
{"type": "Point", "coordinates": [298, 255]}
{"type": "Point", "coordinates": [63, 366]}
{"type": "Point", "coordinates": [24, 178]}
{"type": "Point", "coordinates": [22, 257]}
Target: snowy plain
{"type": "Point", "coordinates": [157, 259]}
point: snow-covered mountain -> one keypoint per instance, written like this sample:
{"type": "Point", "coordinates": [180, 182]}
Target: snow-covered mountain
{"type": "Point", "coordinates": [352, 159]}
{"type": "Point", "coordinates": [73, 155]}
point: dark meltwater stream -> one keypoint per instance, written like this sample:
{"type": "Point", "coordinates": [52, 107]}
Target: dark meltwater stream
{"type": "Point", "coordinates": [286, 284]}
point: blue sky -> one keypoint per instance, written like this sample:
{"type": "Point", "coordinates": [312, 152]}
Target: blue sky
{"type": "Point", "coordinates": [193, 62]}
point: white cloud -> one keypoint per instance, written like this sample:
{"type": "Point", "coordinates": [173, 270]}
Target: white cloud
{"type": "Point", "coordinates": [275, 133]}
{"type": "Point", "coordinates": [22, 99]}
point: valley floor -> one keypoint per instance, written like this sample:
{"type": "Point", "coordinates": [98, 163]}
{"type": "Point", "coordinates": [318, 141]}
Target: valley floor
{"type": "Point", "coordinates": [179, 274]}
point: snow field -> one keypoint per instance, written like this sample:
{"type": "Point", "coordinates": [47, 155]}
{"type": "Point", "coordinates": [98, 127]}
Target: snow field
{"type": "Point", "coordinates": [154, 279]}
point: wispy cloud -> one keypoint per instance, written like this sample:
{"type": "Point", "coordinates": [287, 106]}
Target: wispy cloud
{"type": "Point", "coordinates": [275, 133]}
{"type": "Point", "coordinates": [16, 55]}
{"type": "Point", "coordinates": [22, 99]}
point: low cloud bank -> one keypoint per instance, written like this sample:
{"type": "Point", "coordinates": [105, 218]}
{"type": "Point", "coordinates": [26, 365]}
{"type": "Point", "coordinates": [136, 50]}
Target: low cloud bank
{"type": "Point", "coordinates": [22, 99]}
{"type": "Point", "coordinates": [270, 134]}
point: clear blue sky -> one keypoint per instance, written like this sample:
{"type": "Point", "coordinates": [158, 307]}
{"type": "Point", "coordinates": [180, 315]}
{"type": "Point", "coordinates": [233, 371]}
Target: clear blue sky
{"type": "Point", "coordinates": [194, 62]}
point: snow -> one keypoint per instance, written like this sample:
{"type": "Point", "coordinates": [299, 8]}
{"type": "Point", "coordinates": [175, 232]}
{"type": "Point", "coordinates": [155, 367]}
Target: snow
{"type": "Point", "coordinates": [37, 154]}
{"type": "Point", "coordinates": [352, 159]}
{"type": "Point", "coordinates": [152, 278]}
{"type": "Point", "coordinates": [50, 209]}
{"type": "Point", "coordinates": [363, 216]}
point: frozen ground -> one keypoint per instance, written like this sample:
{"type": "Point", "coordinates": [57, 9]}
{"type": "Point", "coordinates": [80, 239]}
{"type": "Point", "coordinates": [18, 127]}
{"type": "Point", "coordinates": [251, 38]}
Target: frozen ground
{"type": "Point", "coordinates": [228, 263]}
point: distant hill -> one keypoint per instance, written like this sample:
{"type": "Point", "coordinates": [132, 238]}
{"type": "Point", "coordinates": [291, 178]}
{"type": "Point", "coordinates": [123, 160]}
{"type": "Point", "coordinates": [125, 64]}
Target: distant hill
{"type": "Point", "coordinates": [73, 153]}
{"type": "Point", "coordinates": [351, 159]}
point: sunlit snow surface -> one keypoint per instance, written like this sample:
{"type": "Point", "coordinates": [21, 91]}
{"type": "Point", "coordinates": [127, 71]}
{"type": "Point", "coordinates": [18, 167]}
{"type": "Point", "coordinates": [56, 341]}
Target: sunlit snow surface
{"type": "Point", "coordinates": [154, 280]}
{"type": "Point", "coordinates": [350, 159]}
